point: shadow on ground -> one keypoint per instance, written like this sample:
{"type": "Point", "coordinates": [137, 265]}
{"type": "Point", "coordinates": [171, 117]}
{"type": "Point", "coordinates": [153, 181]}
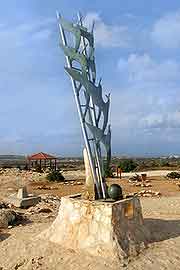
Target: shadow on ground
{"type": "Point", "coordinates": [3, 236]}
{"type": "Point", "coordinates": [161, 229]}
{"type": "Point", "coordinates": [21, 219]}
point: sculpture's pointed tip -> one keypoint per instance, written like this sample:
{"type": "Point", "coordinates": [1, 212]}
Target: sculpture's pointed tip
{"type": "Point", "coordinates": [58, 15]}
{"type": "Point", "coordinates": [80, 17]}
{"type": "Point", "coordinates": [93, 24]}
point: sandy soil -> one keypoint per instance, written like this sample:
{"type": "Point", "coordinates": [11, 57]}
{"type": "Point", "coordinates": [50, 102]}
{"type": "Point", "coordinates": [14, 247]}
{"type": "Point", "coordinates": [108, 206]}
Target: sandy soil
{"type": "Point", "coordinates": [20, 249]}
{"type": "Point", "coordinates": [166, 187]}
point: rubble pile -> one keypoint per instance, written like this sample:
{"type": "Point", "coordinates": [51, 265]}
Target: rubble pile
{"type": "Point", "coordinates": [48, 204]}
{"type": "Point", "coordinates": [31, 175]}
{"type": "Point", "coordinates": [10, 217]}
{"type": "Point", "coordinates": [138, 181]}
{"type": "Point", "coordinates": [177, 184]}
{"type": "Point", "coordinates": [141, 184]}
{"type": "Point", "coordinates": [146, 193]}
{"type": "Point", "coordinates": [65, 183]}
{"type": "Point", "coordinates": [7, 217]}
{"type": "Point", "coordinates": [135, 178]}
{"type": "Point", "coordinates": [46, 187]}
{"type": "Point", "coordinates": [24, 174]}
{"type": "Point", "coordinates": [72, 183]}
{"type": "Point", "coordinates": [74, 174]}
{"type": "Point", "coordinates": [3, 205]}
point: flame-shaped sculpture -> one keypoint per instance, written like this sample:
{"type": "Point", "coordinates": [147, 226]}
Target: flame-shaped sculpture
{"type": "Point", "coordinates": [84, 83]}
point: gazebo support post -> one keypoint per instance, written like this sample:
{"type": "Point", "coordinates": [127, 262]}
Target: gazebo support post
{"type": "Point", "coordinates": [29, 164]}
{"type": "Point", "coordinates": [40, 163]}
{"type": "Point", "coordinates": [55, 164]}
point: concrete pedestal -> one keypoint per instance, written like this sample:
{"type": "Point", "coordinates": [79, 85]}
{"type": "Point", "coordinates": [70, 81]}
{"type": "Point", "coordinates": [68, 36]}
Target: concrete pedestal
{"type": "Point", "coordinates": [109, 229]}
{"type": "Point", "coordinates": [24, 202]}
{"type": "Point", "coordinates": [23, 199]}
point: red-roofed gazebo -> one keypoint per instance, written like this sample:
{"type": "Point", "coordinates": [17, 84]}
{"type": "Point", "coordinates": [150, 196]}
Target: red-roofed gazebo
{"type": "Point", "coordinates": [43, 160]}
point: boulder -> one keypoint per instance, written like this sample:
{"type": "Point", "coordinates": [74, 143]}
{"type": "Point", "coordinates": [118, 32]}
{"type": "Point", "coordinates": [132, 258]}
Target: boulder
{"type": "Point", "coordinates": [7, 217]}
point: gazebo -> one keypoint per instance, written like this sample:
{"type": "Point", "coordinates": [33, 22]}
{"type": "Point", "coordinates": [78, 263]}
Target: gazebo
{"type": "Point", "coordinates": [42, 160]}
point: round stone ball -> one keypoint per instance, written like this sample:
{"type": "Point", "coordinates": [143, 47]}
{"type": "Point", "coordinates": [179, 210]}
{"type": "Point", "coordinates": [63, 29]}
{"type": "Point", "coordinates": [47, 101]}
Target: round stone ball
{"type": "Point", "coordinates": [115, 192]}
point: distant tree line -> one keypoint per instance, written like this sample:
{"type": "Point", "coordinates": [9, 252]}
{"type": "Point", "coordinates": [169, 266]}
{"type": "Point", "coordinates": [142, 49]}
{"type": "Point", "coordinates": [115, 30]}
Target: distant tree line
{"type": "Point", "coordinates": [127, 165]}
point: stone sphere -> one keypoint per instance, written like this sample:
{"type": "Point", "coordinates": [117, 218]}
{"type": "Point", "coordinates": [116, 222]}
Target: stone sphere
{"type": "Point", "coordinates": [115, 192]}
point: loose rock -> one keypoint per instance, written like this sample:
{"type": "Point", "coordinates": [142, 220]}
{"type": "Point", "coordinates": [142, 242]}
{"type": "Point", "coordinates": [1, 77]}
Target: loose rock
{"type": "Point", "coordinates": [7, 217]}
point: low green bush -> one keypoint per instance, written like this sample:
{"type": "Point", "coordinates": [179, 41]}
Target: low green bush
{"type": "Point", "coordinates": [127, 165]}
{"type": "Point", "coordinates": [25, 168]}
{"type": "Point", "coordinates": [38, 168]}
{"type": "Point", "coordinates": [173, 175]}
{"type": "Point", "coordinates": [108, 172]}
{"type": "Point", "coordinates": [55, 176]}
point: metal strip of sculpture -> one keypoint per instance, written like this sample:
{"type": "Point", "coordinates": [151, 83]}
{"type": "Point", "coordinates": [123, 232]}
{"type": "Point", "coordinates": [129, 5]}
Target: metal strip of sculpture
{"type": "Point", "coordinates": [95, 92]}
{"type": "Point", "coordinates": [95, 111]}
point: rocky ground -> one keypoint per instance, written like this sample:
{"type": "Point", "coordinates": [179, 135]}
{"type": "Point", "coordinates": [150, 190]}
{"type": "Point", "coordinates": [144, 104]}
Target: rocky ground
{"type": "Point", "coordinates": [20, 247]}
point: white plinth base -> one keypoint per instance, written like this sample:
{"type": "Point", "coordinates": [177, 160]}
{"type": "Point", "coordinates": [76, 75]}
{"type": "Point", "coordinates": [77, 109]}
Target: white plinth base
{"type": "Point", "coordinates": [100, 228]}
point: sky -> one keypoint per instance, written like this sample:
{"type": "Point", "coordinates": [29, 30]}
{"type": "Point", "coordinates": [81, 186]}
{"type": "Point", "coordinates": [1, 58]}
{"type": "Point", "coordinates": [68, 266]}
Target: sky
{"type": "Point", "coordinates": [137, 56]}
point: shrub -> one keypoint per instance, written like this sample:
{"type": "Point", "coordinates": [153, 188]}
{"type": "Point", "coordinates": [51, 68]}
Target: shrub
{"type": "Point", "coordinates": [173, 175]}
{"type": "Point", "coordinates": [108, 172]}
{"type": "Point", "coordinates": [7, 166]}
{"type": "Point", "coordinates": [38, 168]}
{"type": "Point", "coordinates": [25, 167]}
{"type": "Point", "coordinates": [127, 165]}
{"type": "Point", "coordinates": [55, 176]}
{"type": "Point", "coordinates": [164, 163]}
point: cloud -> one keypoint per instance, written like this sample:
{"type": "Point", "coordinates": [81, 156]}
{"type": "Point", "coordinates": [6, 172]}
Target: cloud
{"type": "Point", "coordinates": [107, 35]}
{"type": "Point", "coordinates": [166, 31]}
{"type": "Point", "coordinates": [144, 69]}
{"type": "Point", "coordinates": [145, 108]}
{"type": "Point", "coordinates": [38, 111]}
{"type": "Point", "coordinates": [165, 120]}
{"type": "Point", "coordinates": [33, 97]}
{"type": "Point", "coordinates": [145, 122]}
{"type": "Point", "coordinates": [42, 35]}
{"type": "Point", "coordinates": [18, 35]}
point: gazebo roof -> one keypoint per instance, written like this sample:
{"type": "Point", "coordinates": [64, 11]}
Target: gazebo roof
{"type": "Point", "coordinates": [41, 156]}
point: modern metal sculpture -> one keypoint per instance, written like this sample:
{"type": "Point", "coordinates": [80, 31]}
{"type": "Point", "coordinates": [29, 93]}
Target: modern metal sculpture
{"type": "Point", "coordinates": [92, 109]}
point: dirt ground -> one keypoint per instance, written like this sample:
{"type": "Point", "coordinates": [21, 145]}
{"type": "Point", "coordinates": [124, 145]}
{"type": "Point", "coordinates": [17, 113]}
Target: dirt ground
{"type": "Point", "coordinates": [158, 184]}
{"type": "Point", "coordinates": [21, 249]}
{"type": "Point", "coordinates": [74, 181]}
